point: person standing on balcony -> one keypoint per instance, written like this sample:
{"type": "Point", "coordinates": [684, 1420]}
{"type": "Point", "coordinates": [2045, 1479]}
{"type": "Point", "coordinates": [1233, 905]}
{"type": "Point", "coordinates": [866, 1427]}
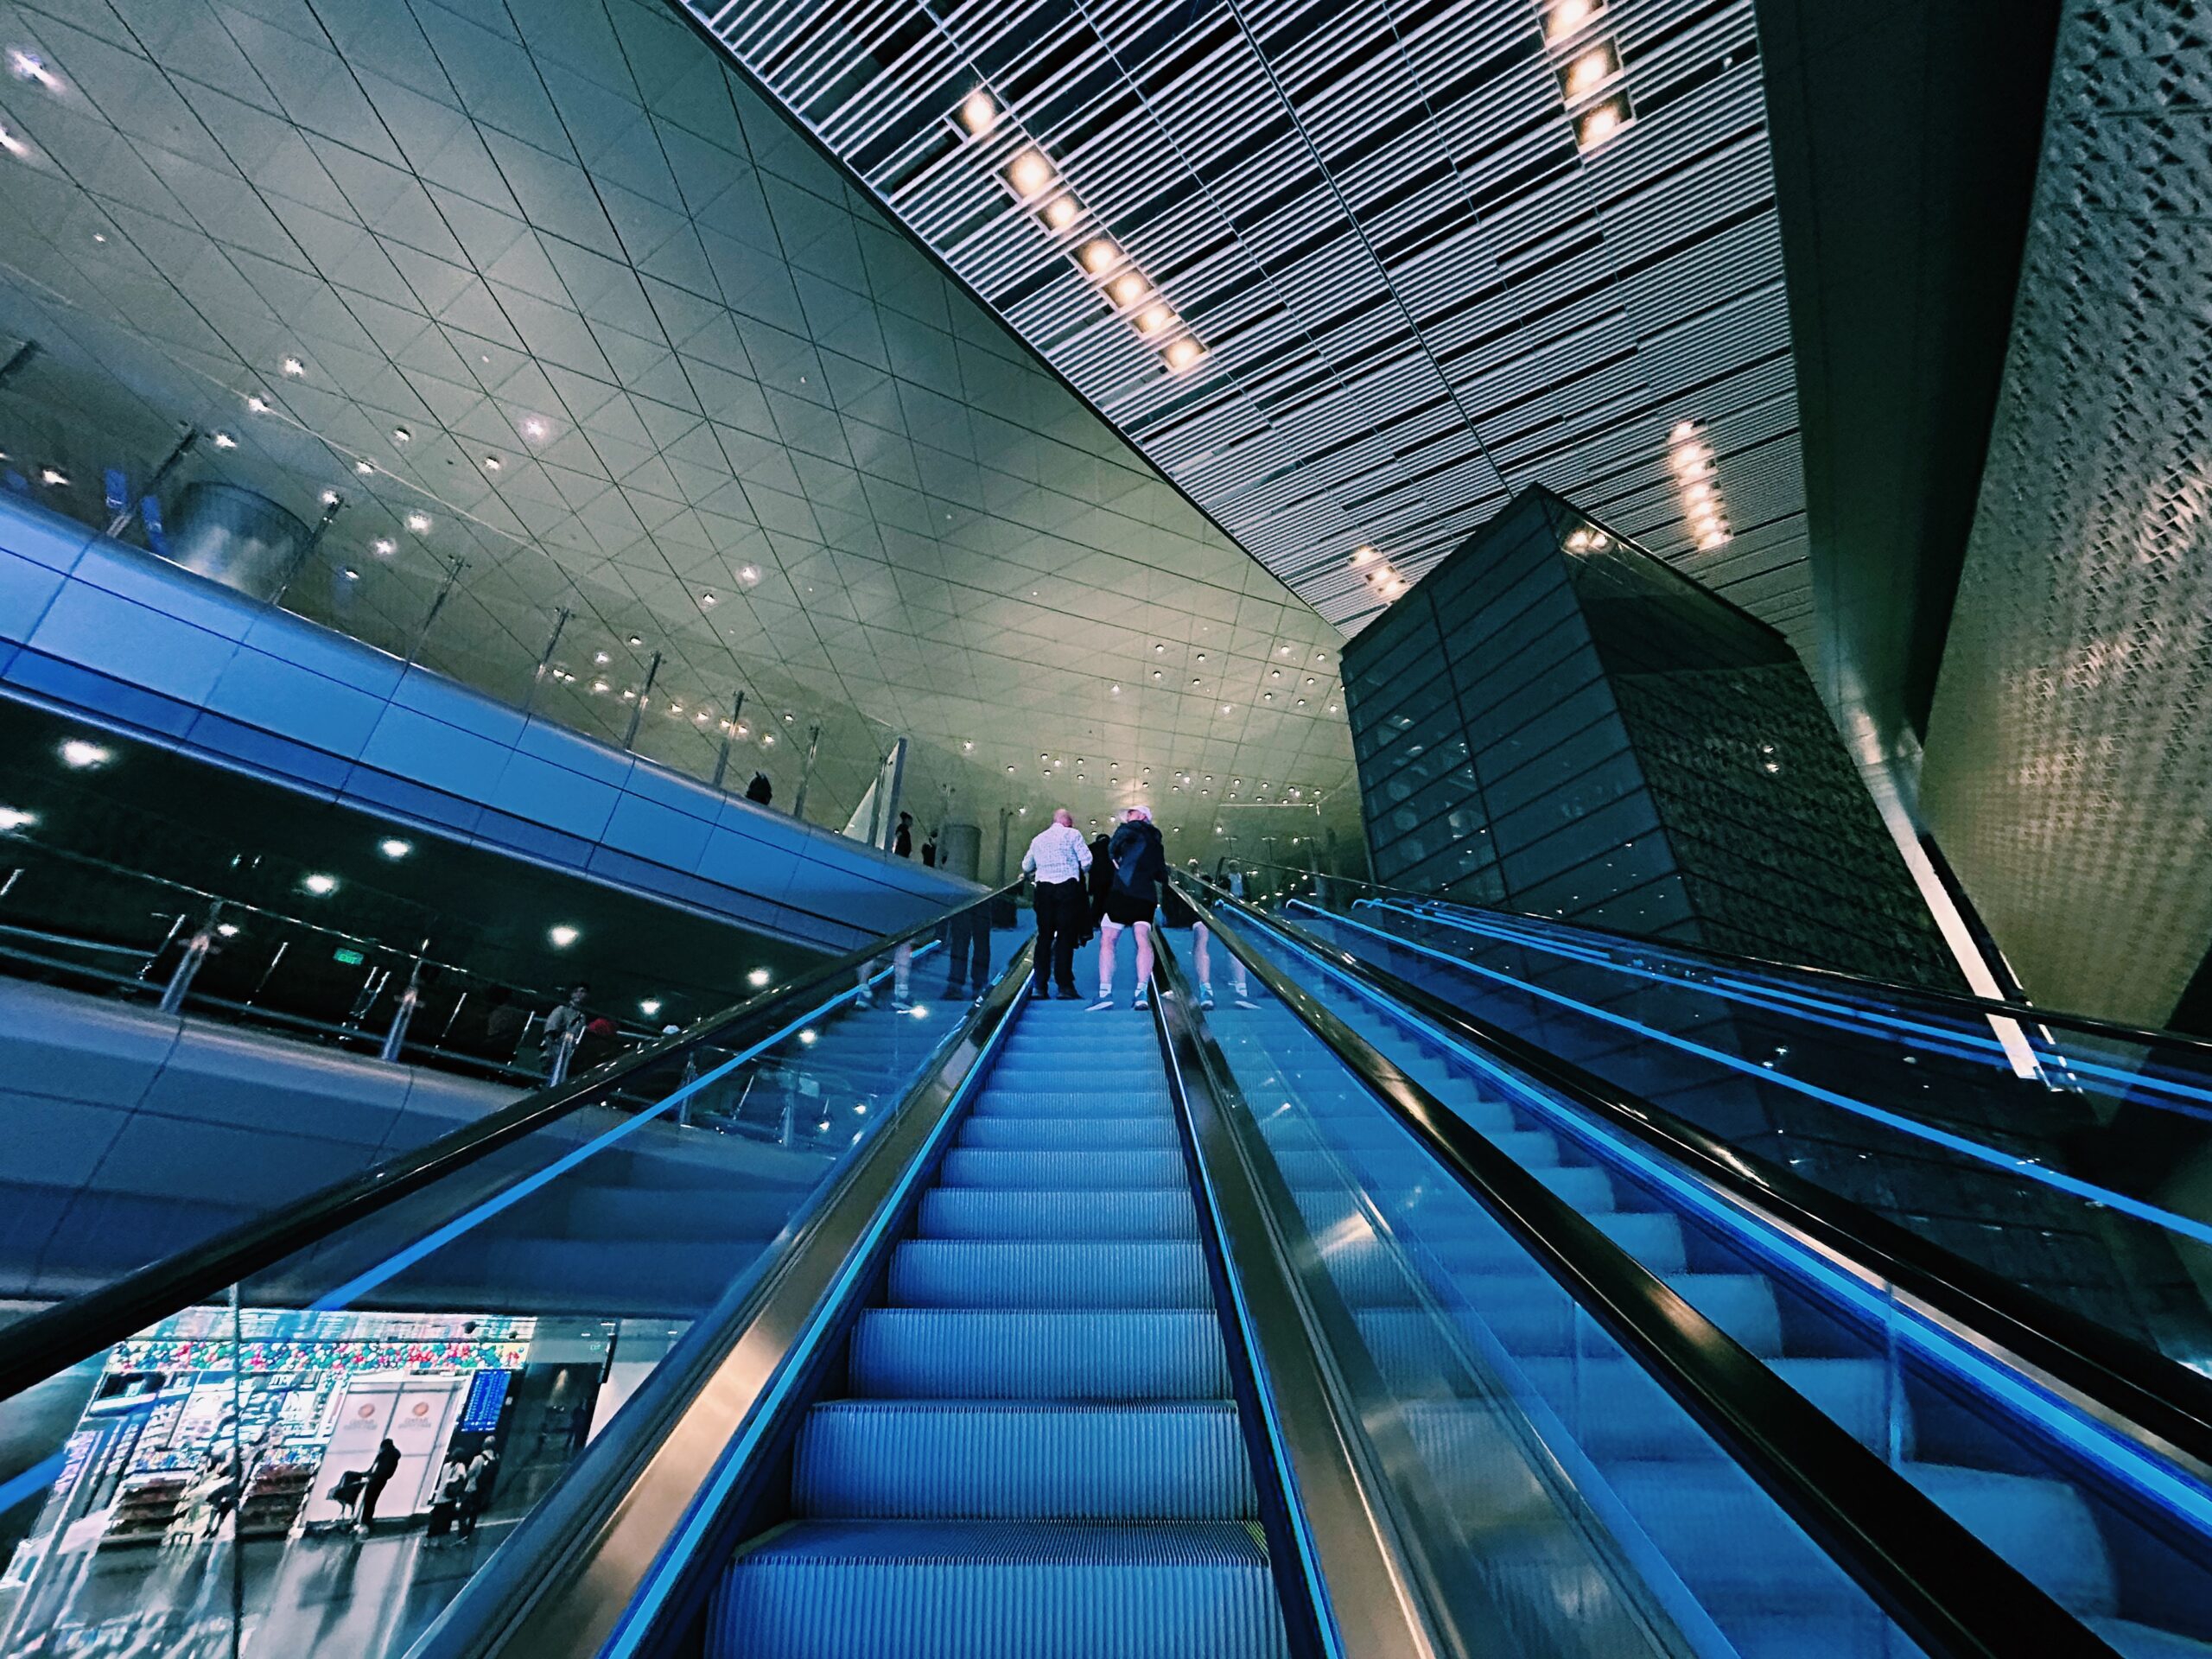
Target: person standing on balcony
{"type": "Point", "coordinates": [1058, 858]}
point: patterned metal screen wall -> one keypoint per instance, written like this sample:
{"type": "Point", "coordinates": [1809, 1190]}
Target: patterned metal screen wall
{"type": "Point", "coordinates": [1555, 723]}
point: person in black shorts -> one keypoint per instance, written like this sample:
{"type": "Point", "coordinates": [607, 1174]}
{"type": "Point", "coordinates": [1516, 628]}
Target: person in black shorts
{"type": "Point", "coordinates": [1140, 862]}
{"type": "Point", "coordinates": [1176, 911]}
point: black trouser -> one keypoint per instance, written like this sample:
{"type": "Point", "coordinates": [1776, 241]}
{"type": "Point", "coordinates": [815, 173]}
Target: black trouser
{"type": "Point", "coordinates": [1060, 909]}
{"type": "Point", "coordinates": [967, 950]}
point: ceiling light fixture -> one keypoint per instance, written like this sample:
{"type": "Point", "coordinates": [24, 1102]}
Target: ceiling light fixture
{"type": "Point", "coordinates": [534, 429]}
{"type": "Point", "coordinates": [256, 403]}
{"type": "Point", "coordinates": [225, 441]}
{"type": "Point", "coordinates": [401, 435]}
{"type": "Point", "coordinates": [329, 498]}
{"type": "Point", "coordinates": [492, 463]}
{"type": "Point", "coordinates": [978, 113]}
{"type": "Point", "coordinates": [419, 523]}
{"type": "Point", "coordinates": [1128, 288]}
{"type": "Point", "coordinates": [80, 756]}
{"type": "Point", "coordinates": [293, 366]}
{"type": "Point", "coordinates": [757, 978]}
{"type": "Point", "coordinates": [1184, 352]}
{"type": "Point", "coordinates": [1597, 125]}
{"type": "Point", "coordinates": [320, 885]}
{"type": "Point", "coordinates": [349, 574]}
{"type": "Point", "coordinates": [393, 848]}
{"type": "Point", "coordinates": [383, 547]}
{"type": "Point", "coordinates": [29, 66]}
{"type": "Point", "coordinates": [1690, 458]}
{"type": "Point", "coordinates": [1061, 212]}
{"type": "Point", "coordinates": [649, 1006]}
{"type": "Point", "coordinates": [1031, 174]}
{"type": "Point", "coordinates": [53, 477]}
{"type": "Point", "coordinates": [12, 144]}
{"type": "Point", "coordinates": [364, 468]}
{"type": "Point", "coordinates": [562, 935]}
{"type": "Point", "coordinates": [13, 819]}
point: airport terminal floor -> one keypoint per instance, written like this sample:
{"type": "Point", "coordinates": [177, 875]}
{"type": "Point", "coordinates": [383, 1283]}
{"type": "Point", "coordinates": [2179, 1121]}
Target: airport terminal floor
{"type": "Point", "coordinates": [1423, 1281]}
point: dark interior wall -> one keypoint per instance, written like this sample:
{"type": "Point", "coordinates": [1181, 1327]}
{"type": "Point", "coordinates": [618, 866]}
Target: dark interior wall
{"type": "Point", "coordinates": [1906, 140]}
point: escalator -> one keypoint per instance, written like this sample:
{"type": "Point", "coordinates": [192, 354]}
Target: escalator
{"type": "Point", "coordinates": [1316, 1323]}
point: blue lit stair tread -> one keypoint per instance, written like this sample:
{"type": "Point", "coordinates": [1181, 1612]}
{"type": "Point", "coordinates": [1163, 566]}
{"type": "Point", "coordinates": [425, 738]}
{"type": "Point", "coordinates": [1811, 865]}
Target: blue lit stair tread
{"type": "Point", "coordinates": [1028, 1460]}
{"type": "Point", "coordinates": [1052, 1098]}
{"type": "Point", "coordinates": [938, 1590]}
{"type": "Point", "coordinates": [1004, 1212]}
{"type": "Point", "coordinates": [1122, 1169]}
{"type": "Point", "coordinates": [1058, 1354]}
{"type": "Point", "coordinates": [996, 1273]}
{"type": "Point", "coordinates": [1139, 1132]}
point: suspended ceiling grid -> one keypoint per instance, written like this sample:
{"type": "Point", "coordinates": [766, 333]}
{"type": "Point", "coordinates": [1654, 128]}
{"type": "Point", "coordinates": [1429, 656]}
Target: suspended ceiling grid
{"type": "Point", "coordinates": [738, 419]}
{"type": "Point", "coordinates": [1415, 292]}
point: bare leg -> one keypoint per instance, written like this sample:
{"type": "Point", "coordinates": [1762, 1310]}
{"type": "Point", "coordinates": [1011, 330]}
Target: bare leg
{"type": "Point", "coordinates": [1144, 960]}
{"type": "Point", "coordinates": [902, 966]}
{"type": "Point", "coordinates": [1201, 959]}
{"type": "Point", "coordinates": [1107, 932]}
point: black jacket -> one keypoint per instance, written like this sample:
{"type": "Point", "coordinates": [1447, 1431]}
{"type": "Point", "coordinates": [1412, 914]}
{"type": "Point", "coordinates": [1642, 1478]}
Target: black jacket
{"type": "Point", "coordinates": [1139, 859]}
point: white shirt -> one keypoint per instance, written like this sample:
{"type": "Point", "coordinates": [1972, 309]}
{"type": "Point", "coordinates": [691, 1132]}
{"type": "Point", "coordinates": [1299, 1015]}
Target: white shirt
{"type": "Point", "coordinates": [1058, 854]}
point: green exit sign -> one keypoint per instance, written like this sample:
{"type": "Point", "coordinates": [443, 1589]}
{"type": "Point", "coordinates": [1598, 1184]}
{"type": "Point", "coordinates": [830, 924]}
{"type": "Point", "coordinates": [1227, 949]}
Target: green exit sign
{"type": "Point", "coordinates": [350, 957]}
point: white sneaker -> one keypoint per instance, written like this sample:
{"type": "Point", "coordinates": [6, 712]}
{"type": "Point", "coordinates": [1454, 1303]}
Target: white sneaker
{"type": "Point", "coordinates": [1100, 1005]}
{"type": "Point", "coordinates": [1205, 998]}
{"type": "Point", "coordinates": [1141, 1003]}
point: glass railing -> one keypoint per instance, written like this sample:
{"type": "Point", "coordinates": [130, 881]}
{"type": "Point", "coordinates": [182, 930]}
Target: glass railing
{"type": "Point", "coordinates": [2112, 1527]}
{"type": "Point", "coordinates": [304, 1438]}
{"type": "Point", "coordinates": [2052, 1150]}
{"type": "Point", "coordinates": [681, 682]}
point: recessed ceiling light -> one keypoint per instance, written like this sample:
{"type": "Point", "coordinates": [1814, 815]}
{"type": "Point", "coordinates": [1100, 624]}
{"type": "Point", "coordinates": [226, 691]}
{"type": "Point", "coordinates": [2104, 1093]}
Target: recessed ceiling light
{"type": "Point", "coordinates": [562, 935]}
{"type": "Point", "coordinates": [966, 745]}
{"type": "Point", "coordinates": [13, 819]}
{"type": "Point", "coordinates": [492, 463]}
{"type": "Point", "coordinates": [1599, 124]}
{"type": "Point", "coordinates": [1184, 352]}
{"type": "Point", "coordinates": [809, 1036]}
{"type": "Point", "coordinates": [749, 573]}
{"type": "Point", "coordinates": [383, 547]}
{"type": "Point", "coordinates": [293, 366]}
{"type": "Point", "coordinates": [401, 435]}
{"type": "Point", "coordinates": [419, 523]}
{"type": "Point", "coordinates": [1128, 288]}
{"type": "Point", "coordinates": [1588, 72]}
{"type": "Point", "coordinates": [29, 66]}
{"type": "Point", "coordinates": [1061, 212]}
{"type": "Point", "coordinates": [364, 468]}
{"type": "Point", "coordinates": [1099, 256]}
{"type": "Point", "coordinates": [1031, 174]}
{"type": "Point", "coordinates": [1569, 16]}
{"type": "Point", "coordinates": [978, 113]}
{"type": "Point", "coordinates": [637, 639]}
{"type": "Point", "coordinates": [225, 441]}
{"type": "Point", "coordinates": [393, 848]}
{"type": "Point", "coordinates": [349, 574]}
{"type": "Point", "coordinates": [1362, 556]}
{"type": "Point", "coordinates": [757, 978]}
{"type": "Point", "coordinates": [329, 498]}
{"type": "Point", "coordinates": [320, 885]}
{"type": "Point", "coordinates": [649, 1007]}
{"type": "Point", "coordinates": [12, 144]}
{"type": "Point", "coordinates": [53, 477]}
{"type": "Point", "coordinates": [1153, 319]}
{"type": "Point", "coordinates": [257, 403]}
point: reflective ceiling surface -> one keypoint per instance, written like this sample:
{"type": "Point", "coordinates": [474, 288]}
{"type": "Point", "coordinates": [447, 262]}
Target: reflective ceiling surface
{"type": "Point", "coordinates": [1352, 271]}
{"type": "Point", "coordinates": [549, 289]}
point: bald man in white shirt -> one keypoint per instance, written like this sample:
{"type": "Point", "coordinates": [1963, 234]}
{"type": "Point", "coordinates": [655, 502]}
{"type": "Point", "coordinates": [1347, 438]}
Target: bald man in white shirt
{"type": "Point", "coordinates": [1058, 857]}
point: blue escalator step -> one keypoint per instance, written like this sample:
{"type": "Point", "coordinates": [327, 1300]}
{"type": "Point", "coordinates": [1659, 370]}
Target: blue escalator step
{"type": "Point", "coordinates": [1045, 1100]}
{"type": "Point", "coordinates": [2132, 1640]}
{"type": "Point", "coordinates": [1653, 1239]}
{"type": "Point", "coordinates": [1151, 1131]}
{"type": "Point", "coordinates": [1588, 1190]}
{"type": "Point", "coordinates": [1617, 1411]}
{"type": "Point", "coordinates": [1701, 1515]}
{"type": "Point", "coordinates": [1001, 1274]}
{"type": "Point", "coordinates": [1741, 1304]}
{"type": "Point", "coordinates": [2044, 1527]}
{"type": "Point", "coordinates": [980, 1353]}
{"type": "Point", "coordinates": [984, 1166]}
{"type": "Point", "coordinates": [918, 1590]}
{"type": "Point", "coordinates": [1001, 1460]}
{"type": "Point", "coordinates": [997, 1212]}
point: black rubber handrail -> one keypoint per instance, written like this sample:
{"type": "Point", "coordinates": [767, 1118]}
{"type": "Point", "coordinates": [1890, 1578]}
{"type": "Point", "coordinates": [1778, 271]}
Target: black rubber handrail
{"type": "Point", "coordinates": [2133, 1383]}
{"type": "Point", "coordinates": [1955, 1001]}
{"type": "Point", "coordinates": [1949, 1591]}
{"type": "Point", "coordinates": [47, 1343]}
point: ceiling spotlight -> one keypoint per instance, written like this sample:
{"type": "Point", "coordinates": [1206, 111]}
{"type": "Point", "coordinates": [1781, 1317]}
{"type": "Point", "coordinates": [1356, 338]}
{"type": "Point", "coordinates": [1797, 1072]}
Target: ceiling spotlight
{"type": "Point", "coordinates": [393, 848]}
{"type": "Point", "coordinates": [966, 746]}
{"type": "Point", "coordinates": [1184, 352]}
{"type": "Point", "coordinates": [1589, 72]}
{"type": "Point", "coordinates": [53, 477]}
{"type": "Point", "coordinates": [257, 404]}
{"type": "Point", "coordinates": [1362, 556]}
{"type": "Point", "coordinates": [349, 574]}
{"type": "Point", "coordinates": [401, 435]}
{"type": "Point", "coordinates": [602, 658]}
{"type": "Point", "coordinates": [749, 573]}
{"type": "Point", "coordinates": [637, 639]}
{"type": "Point", "coordinates": [809, 1036]}
{"type": "Point", "coordinates": [225, 441]}
{"type": "Point", "coordinates": [708, 600]}
{"type": "Point", "coordinates": [383, 547]}
{"type": "Point", "coordinates": [320, 885]}
{"type": "Point", "coordinates": [13, 819]}
{"type": "Point", "coordinates": [1600, 124]}
{"type": "Point", "coordinates": [1061, 212]}
{"type": "Point", "coordinates": [757, 978]}
{"type": "Point", "coordinates": [649, 1007]}
{"type": "Point", "coordinates": [364, 468]}
{"type": "Point", "coordinates": [1683, 432]}
{"type": "Point", "coordinates": [562, 935]}
{"type": "Point", "coordinates": [293, 366]}
{"type": "Point", "coordinates": [1115, 690]}
{"type": "Point", "coordinates": [1153, 319]}
{"type": "Point", "coordinates": [80, 756]}
{"type": "Point", "coordinates": [492, 463]}
{"type": "Point", "coordinates": [419, 523]}
{"type": "Point", "coordinates": [1569, 16]}
{"type": "Point", "coordinates": [29, 66]}
{"type": "Point", "coordinates": [1128, 288]}
{"type": "Point", "coordinates": [1031, 174]}
{"type": "Point", "coordinates": [329, 498]}
{"type": "Point", "coordinates": [12, 144]}
{"type": "Point", "coordinates": [977, 113]}
{"type": "Point", "coordinates": [534, 429]}
{"type": "Point", "coordinates": [1099, 256]}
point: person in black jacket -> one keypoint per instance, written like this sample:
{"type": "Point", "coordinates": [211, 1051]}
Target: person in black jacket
{"type": "Point", "coordinates": [1140, 865]}
{"type": "Point", "coordinates": [761, 790]}
{"type": "Point", "coordinates": [1102, 878]}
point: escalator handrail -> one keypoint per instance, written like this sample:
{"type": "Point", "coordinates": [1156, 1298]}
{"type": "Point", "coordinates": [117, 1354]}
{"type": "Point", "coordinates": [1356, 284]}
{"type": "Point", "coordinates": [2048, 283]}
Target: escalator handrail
{"type": "Point", "coordinates": [47, 1343]}
{"type": "Point", "coordinates": [1951, 1592]}
{"type": "Point", "coordinates": [2134, 1387]}
{"type": "Point", "coordinates": [1842, 979]}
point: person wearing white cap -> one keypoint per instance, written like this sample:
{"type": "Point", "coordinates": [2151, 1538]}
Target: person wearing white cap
{"type": "Point", "coordinates": [1140, 863]}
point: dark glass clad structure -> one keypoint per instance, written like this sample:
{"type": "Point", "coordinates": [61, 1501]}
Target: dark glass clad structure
{"type": "Point", "coordinates": [1554, 721]}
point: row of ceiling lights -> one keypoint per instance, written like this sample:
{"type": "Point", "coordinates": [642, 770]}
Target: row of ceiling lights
{"type": "Point", "coordinates": [1588, 64]}
{"type": "Point", "coordinates": [1036, 184]}
{"type": "Point", "coordinates": [1382, 576]}
{"type": "Point", "coordinates": [1691, 457]}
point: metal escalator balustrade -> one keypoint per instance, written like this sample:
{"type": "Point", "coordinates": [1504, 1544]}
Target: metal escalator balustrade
{"type": "Point", "coordinates": [1446, 1287]}
{"type": "Point", "coordinates": [547, 1286]}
